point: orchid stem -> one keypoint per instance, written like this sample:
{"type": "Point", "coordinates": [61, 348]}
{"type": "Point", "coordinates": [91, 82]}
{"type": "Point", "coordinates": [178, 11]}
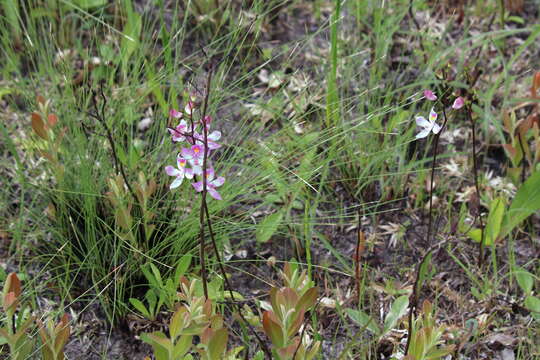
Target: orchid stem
{"type": "Point", "coordinates": [202, 254]}
{"type": "Point", "coordinates": [417, 284]}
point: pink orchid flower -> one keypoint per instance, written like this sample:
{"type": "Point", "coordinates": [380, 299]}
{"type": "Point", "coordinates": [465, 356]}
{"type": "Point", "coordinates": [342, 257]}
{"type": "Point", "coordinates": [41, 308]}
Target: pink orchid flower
{"type": "Point", "coordinates": [180, 173]}
{"type": "Point", "coordinates": [458, 103]}
{"type": "Point", "coordinates": [211, 184]}
{"type": "Point", "coordinates": [427, 125]}
{"type": "Point", "coordinates": [175, 114]}
{"type": "Point", "coordinates": [211, 139]}
{"type": "Point", "coordinates": [189, 107]}
{"type": "Point", "coordinates": [195, 156]}
{"type": "Point", "coordinates": [207, 120]}
{"type": "Point", "coordinates": [178, 132]}
{"type": "Point", "coordinates": [430, 95]}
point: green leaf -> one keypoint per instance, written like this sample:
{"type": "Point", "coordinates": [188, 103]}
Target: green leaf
{"type": "Point", "coordinates": [364, 320]}
{"type": "Point", "coordinates": [160, 344]}
{"type": "Point", "coordinates": [423, 271]}
{"type": "Point", "coordinates": [525, 279]}
{"type": "Point", "coordinates": [182, 346]}
{"type": "Point", "coordinates": [134, 157]}
{"type": "Point", "coordinates": [218, 344]}
{"type": "Point", "coordinates": [139, 306]}
{"type": "Point", "coordinates": [307, 300]}
{"type": "Point", "coordinates": [475, 235]}
{"type": "Point", "coordinates": [398, 309]}
{"type": "Point", "coordinates": [151, 297]}
{"type": "Point", "coordinates": [532, 303]}
{"type": "Point", "coordinates": [121, 155]}
{"type": "Point", "coordinates": [149, 276]}
{"type": "Point", "coordinates": [259, 355]}
{"type": "Point", "coordinates": [494, 221]}
{"type": "Point", "coordinates": [157, 275]}
{"type": "Point", "coordinates": [181, 268]}
{"type": "Point", "coordinates": [516, 19]}
{"type": "Point", "coordinates": [227, 295]}
{"type": "Point", "coordinates": [525, 203]}
{"type": "Point", "coordinates": [130, 39]}
{"type": "Point", "coordinates": [176, 324]}
{"type": "Point", "coordinates": [268, 227]}
{"type": "Point", "coordinates": [273, 330]}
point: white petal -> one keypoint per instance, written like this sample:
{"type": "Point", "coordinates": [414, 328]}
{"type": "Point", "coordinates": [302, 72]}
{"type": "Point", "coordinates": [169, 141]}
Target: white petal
{"type": "Point", "coordinates": [436, 128]}
{"type": "Point", "coordinates": [421, 121]}
{"type": "Point", "coordinates": [197, 169]}
{"type": "Point", "coordinates": [422, 134]}
{"type": "Point", "coordinates": [176, 183]}
{"type": "Point", "coordinates": [214, 135]}
{"type": "Point", "coordinates": [218, 182]}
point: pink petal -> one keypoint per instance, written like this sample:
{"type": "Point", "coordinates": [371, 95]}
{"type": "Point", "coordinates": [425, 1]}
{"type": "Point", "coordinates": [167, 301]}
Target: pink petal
{"type": "Point", "coordinates": [430, 95]}
{"type": "Point", "coordinates": [213, 145]}
{"type": "Point", "coordinates": [189, 107]}
{"type": "Point", "coordinates": [175, 114]}
{"type": "Point", "coordinates": [458, 103]}
{"type": "Point", "coordinates": [209, 174]}
{"type": "Point", "coordinates": [178, 138]}
{"type": "Point", "coordinates": [187, 153]}
{"type": "Point", "coordinates": [218, 182]}
{"type": "Point", "coordinates": [197, 151]}
{"type": "Point", "coordinates": [182, 127]}
{"type": "Point", "coordinates": [181, 162]}
{"type": "Point", "coordinates": [171, 171]}
{"type": "Point", "coordinates": [176, 135]}
{"type": "Point", "coordinates": [213, 193]}
{"type": "Point", "coordinates": [198, 186]}
{"type": "Point", "coordinates": [189, 173]}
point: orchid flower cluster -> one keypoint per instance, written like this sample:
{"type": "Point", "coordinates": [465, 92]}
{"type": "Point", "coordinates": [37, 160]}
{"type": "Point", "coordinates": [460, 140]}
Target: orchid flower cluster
{"type": "Point", "coordinates": [431, 125]}
{"type": "Point", "coordinates": [190, 159]}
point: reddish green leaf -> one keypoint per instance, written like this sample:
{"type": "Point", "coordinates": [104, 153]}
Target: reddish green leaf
{"type": "Point", "coordinates": [39, 126]}
{"type": "Point", "coordinates": [272, 330]}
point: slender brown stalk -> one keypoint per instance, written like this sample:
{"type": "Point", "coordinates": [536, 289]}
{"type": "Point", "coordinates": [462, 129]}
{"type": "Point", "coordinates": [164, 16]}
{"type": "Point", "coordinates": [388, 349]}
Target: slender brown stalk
{"type": "Point", "coordinates": [99, 115]}
{"type": "Point", "coordinates": [433, 165]}
{"type": "Point", "coordinates": [477, 187]}
{"type": "Point", "coordinates": [202, 254]}
{"type": "Point", "coordinates": [416, 290]}
{"type": "Point", "coordinates": [263, 345]}
{"type": "Point", "coordinates": [360, 246]}
{"type": "Point", "coordinates": [523, 159]}
{"type": "Point", "coordinates": [204, 213]}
